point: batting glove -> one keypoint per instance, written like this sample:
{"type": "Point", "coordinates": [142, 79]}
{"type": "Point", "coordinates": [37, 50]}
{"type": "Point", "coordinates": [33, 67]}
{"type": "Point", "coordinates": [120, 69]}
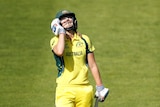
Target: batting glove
{"type": "Point", "coordinates": [56, 27]}
{"type": "Point", "coordinates": [101, 93]}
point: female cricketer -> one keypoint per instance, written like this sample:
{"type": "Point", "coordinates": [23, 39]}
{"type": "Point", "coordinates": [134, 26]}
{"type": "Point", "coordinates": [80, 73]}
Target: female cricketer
{"type": "Point", "coordinates": [74, 56]}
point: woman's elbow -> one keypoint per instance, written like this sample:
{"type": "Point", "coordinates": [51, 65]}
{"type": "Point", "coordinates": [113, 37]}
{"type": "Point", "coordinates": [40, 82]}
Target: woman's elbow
{"type": "Point", "coordinates": [58, 52]}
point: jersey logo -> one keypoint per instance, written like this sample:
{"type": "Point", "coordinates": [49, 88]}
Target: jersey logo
{"type": "Point", "coordinates": [78, 53]}
{"type": "Point", "coordinates": [79, 44]}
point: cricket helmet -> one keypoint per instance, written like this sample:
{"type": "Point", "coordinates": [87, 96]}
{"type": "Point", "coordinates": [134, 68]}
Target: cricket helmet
{"type": "Point", "coordinates": [65, 13]}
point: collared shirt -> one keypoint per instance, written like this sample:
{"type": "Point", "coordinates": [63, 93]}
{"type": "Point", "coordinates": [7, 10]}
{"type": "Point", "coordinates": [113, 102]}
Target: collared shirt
{"type": "Point", "coordinates": [72, 67]}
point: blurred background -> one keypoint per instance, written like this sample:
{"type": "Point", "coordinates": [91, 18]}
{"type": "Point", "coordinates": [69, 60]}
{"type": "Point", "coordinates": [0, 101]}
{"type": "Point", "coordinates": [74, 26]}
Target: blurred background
{"type": "Point", "coordinates": [125, 34]}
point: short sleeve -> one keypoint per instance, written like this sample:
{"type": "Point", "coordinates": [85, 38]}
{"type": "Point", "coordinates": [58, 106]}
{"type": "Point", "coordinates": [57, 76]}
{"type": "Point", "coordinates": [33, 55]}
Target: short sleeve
{"type": "Point", "coordinates": [53, 42]}
{"type": "Point", "coordinates": [89, 42]}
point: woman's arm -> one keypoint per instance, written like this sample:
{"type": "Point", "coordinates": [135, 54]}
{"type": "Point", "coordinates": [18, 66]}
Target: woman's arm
{"type": "Point", "coordinates": [59, 47]}
{"type": "Point", "coordinates": [94, 69]}
{"type": "Point", "coordinates": [101, 91]}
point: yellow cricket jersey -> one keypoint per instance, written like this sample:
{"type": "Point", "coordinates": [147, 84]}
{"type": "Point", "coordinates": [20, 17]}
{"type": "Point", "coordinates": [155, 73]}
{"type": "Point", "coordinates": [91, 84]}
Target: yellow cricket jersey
{"type": "Point", "coordinates": [72, 67]}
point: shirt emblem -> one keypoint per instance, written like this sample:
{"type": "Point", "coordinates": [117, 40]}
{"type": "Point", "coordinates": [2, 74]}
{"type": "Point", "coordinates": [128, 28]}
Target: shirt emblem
{"type": "Point", "coordinates": [79, 44]}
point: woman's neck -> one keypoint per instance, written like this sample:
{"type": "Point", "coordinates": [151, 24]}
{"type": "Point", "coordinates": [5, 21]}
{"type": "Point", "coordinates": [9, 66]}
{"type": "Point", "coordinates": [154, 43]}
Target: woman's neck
{"type": "Point", "coordinates": [70, 34]}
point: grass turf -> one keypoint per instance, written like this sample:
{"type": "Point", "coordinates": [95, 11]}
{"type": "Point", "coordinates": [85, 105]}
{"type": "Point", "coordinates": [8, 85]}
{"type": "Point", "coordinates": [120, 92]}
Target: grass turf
{"type": "Point", "coordinates": [125, 34]}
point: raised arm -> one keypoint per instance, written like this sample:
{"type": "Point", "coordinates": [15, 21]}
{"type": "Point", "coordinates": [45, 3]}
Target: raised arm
{"type": "Point", "coordinates": [58, 30]}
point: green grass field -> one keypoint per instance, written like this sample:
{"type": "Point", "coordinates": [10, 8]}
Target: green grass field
{"type": "Point", "coordinates": [126, 35]}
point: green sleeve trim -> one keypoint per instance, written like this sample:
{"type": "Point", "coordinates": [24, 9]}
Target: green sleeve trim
{"type": "Point", "coordinates": [60, 64]}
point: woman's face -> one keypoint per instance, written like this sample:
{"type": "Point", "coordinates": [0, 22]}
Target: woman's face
{"type": "Point", "coordinates": [67, 22]}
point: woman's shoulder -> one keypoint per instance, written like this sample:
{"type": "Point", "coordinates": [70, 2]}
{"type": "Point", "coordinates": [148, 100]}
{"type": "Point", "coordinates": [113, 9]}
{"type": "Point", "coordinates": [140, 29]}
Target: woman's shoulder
{"type": "Point", "coordinates": [54, 38]}
{"type": "Point", "coordinates": [86, 37]}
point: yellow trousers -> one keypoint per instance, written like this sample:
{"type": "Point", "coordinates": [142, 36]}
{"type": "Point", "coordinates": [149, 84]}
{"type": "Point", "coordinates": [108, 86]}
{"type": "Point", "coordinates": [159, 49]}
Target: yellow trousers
{"type": "Point", "coordinates": [74, 96]}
